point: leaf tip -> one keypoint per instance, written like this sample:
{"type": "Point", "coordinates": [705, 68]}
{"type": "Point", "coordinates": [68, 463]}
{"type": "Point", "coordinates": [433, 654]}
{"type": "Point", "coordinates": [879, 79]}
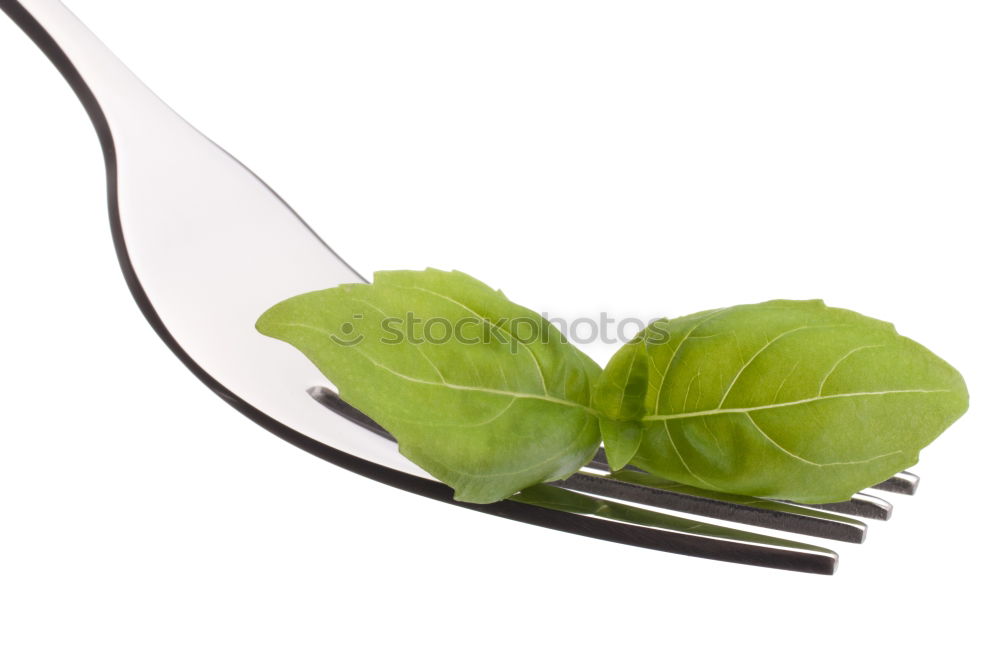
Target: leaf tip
{"type": "Point", "coordinates": [617, 458]}
{"type": "Point", "coordinates": [471, 496]}
{"type": "Point", "coordinates": [268, 321]}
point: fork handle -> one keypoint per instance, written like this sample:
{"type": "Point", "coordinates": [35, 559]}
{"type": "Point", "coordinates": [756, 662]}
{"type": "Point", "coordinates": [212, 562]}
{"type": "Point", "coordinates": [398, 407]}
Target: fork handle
{"type": "Point", "coordinates": [112, 95]}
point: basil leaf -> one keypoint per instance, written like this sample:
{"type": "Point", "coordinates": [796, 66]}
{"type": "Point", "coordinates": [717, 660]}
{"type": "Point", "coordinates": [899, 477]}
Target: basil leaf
{"type": "Point", "coordinates": [784, 399]}
{"type": "Point", "coordinates": [485, 395]}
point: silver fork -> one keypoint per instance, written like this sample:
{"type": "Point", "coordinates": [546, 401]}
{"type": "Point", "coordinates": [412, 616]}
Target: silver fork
{"type": "Point", "coordinates": [206, 246]}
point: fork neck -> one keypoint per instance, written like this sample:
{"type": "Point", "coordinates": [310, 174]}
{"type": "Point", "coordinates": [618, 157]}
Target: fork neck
{"type": "Point", "coordinates": [109, 91]}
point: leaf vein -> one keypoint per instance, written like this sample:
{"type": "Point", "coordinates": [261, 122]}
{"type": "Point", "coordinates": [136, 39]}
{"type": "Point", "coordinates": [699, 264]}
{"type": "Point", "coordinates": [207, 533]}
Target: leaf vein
{"type": "Point", "coordinates": [531, 353]}
{"type": "Point", "coordinates": [841, 360]}
{"type": "Point", "coordinates": [479, 389]}
{"type": "Point", "coordinates": [742, 410]}
{"type": "Point", "coordinates": [813, 462]}
{"type": "Point", "coordinates": [673, 354]}
{"type": "Point", "coordinates": [760, 351]}
{"type": "Point", "coordinates": [670, 438]}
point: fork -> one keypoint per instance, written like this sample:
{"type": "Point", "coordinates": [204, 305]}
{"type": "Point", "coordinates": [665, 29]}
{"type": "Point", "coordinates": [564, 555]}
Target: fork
{"type": "Point", "coordinates": [205, 246]}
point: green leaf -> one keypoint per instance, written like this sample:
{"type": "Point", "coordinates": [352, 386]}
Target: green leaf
{"type": "Point", "coordinates": [784, 399]}
{"type": "Point", "coordinates": [485, 395]}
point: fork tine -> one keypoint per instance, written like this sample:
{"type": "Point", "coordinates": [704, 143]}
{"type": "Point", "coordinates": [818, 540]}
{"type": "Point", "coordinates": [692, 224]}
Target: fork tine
{"type": "Point", "coordinates": [904, 483]}
{"type": "Point", "coordinates": [861, 505]}
{"type": "Point", "coordinates": [332, 401]}
{"type": "Point", "coordinates": [665, 532]}
{"type": "Point", "coordinates": [646, 489]}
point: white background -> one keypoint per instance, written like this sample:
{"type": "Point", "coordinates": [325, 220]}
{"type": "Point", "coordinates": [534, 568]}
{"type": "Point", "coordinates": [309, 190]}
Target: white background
{"type": "Point", "coordinates": [644, 158]}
